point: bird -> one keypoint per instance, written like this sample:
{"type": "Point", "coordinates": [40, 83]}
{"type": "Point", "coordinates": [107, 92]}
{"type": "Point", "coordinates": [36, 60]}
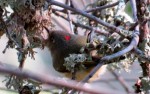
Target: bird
{"type": "Point", "coordinates": [61, 44]}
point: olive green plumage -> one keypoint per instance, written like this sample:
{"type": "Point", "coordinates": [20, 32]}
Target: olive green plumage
{"type": "Point", "coordinates": [61, 44]}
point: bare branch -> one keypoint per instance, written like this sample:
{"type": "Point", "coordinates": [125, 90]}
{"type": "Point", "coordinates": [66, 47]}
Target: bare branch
{"type": "Point", "coordinates": [102, 7]}
{"type": "Point", "coordinates": [89, 75]}
{"type": "Point", "coordinates": [83, 2]}
{"type": "Point", "coordinates": [112, 27]}
{"type": "Point", "coordinates": [132, 45]}
{"type": "Point", "coordinates": [141, 54]}
{"type": "Point", "coordinates": [134, 9]}
{"type": "Point", "coordinates": [70, 21]}
{"type": "Point", "coordinates": [9, 69]}
{"type": "Point", "coordinates": [122, 81]}
{"type": "Point", "coordinates": [80, 25]}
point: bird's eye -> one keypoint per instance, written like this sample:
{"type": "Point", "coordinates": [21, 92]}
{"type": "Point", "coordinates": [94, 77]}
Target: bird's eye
{"type": "Point", "coordinates": [52, 39]}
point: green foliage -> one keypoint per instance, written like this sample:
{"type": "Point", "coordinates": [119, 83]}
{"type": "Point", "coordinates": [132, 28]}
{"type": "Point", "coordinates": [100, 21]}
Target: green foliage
{"type": "Point", "coordinates": [128, 9]}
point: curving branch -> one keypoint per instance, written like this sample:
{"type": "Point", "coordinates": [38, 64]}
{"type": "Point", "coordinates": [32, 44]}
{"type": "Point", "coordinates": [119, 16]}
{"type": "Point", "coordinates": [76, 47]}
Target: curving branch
{"type": "Point", "coordinates": [132, 45]}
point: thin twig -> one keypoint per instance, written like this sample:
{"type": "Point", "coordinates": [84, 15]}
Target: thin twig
{"type": "Point", "coordinates": [89, 75]}
{"type": "Point", "coordinates": [102, 7]}
{"type": "Point", "coordinates": [70, 22]}
{"type": "Point", "coordinates": [121, 80]}
{"type": "Point", "coordinates": [141, 54]}
{"type": "Point", "coordinates": [81, 25]}
{"type": "Point", "coordinates": [112, 27]}
{"type": "Point", "coordinates": [83, 3]}
{"type": "Point", "coordinates": [113, 80]}
{"type": "Point", "coordinates": [60, 10]}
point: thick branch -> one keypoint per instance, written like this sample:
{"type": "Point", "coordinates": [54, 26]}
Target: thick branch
{"type": "Point", "coordinates": [5, 68]}
{"type": "Point", "coordinates": [134, 9]}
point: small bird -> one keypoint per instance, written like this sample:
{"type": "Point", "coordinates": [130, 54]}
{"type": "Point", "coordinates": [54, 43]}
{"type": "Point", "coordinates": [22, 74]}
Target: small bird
{"type": "Point", "coordinates": [61, 44]}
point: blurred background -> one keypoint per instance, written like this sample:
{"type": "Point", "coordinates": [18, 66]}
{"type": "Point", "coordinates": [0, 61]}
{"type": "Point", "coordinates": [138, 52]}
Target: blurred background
{"type": "Point", "coordinates": [43, 61]}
